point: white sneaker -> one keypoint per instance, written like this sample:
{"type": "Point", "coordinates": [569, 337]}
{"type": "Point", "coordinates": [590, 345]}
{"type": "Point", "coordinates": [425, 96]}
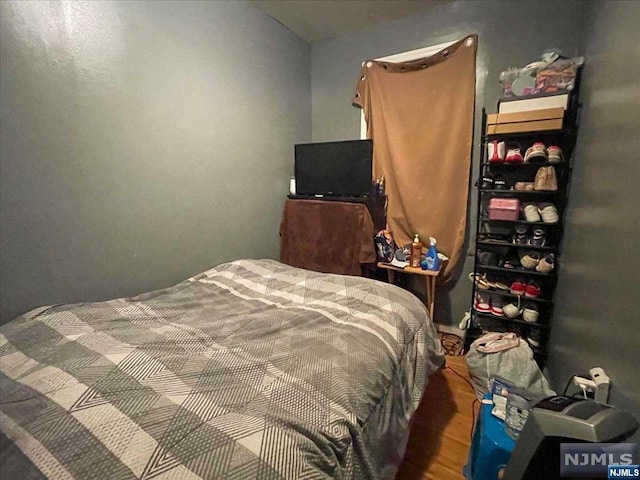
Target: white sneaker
{"type": "Point", "coordinates": [482, 303]}
{"type": "Point", "coordinates": [529, 260]}
{"type": "Point", "coordinates": [546, 264]}
{"type": "Point", "coordinates": [531, 213]}
{"type": "Point", "coordinates": [511, 310]}
{"type": "Point", "coordinates": [536, 152]}
{"type": "Point", "coordinates": [496, 306]}
{"type": "Point", "coordinates": [530, 313]}
{"type": "Point", "coordinates": [555, 154]}
{"type": "Point", "coordinates": [548, 212]}
{"type": "Point", "coordinates": [533, 341]}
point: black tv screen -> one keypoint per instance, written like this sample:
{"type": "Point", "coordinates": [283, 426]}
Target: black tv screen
{"type": "Point", "coordinates": [334, 168]}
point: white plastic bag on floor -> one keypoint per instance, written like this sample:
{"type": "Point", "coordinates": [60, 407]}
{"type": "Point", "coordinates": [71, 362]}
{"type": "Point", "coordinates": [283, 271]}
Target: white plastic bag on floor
{"type": "Point", "coordinates": [507, 356]}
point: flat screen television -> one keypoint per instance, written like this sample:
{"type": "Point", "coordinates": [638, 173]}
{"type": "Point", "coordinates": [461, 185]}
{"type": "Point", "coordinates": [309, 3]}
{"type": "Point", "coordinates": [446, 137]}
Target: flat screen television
{"type": "Point", "coordinates": [340, 169]}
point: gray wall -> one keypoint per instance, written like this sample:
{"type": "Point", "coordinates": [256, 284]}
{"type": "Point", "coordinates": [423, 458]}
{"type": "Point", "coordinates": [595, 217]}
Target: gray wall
{"type": "Point", "coordinates": [142, 142]}
{"type": "Point", "coordinates": [596, 321]}
{"type": "Point", "coordinates": [507, 37]}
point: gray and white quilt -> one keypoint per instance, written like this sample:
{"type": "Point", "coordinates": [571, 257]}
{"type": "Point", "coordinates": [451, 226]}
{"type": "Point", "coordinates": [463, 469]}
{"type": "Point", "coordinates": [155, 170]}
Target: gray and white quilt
{"type": "Point", "coordinates": [252, 369]}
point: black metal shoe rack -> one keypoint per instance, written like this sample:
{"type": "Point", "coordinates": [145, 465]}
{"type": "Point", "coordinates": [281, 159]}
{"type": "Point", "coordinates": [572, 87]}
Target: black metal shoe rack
{"type": "Point", "coordinates": [495, 235]}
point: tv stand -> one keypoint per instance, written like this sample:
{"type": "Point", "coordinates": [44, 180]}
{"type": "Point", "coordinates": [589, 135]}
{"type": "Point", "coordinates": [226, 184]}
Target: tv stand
{"type": "Point", "coordinates": [376, 204]}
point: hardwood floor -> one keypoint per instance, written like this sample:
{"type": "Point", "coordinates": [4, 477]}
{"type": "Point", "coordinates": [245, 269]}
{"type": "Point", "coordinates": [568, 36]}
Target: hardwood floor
{"type": "Point", "coordinates": [440, 436]}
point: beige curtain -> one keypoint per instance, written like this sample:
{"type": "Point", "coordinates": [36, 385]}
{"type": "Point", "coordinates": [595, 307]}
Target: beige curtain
{"type": "Point", "coordinates": [420, 117]}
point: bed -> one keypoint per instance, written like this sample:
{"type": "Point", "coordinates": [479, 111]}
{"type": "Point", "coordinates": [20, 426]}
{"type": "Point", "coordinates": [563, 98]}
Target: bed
{"type": "Point", "coordinates": [252, 369]}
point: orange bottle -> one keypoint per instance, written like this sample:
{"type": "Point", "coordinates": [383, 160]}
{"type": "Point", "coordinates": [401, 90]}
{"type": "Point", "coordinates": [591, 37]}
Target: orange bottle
{"type": "Point", "coordinates": [416, 252]}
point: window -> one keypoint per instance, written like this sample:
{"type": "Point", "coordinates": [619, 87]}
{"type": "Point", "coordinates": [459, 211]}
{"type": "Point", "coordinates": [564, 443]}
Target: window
{"type": "Point", "coordinates": [403, 57]}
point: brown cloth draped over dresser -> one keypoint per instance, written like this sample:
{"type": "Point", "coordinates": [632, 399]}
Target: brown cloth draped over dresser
{"type": "Point", "coordinates": [326, 236]}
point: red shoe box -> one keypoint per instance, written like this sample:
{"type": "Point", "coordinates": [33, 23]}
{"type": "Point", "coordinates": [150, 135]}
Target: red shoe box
{"type": "Point", "coordinates": [504, 209]}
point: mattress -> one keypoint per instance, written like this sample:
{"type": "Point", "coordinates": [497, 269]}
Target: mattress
{"type": "Point", "coordinates": [252, 369]}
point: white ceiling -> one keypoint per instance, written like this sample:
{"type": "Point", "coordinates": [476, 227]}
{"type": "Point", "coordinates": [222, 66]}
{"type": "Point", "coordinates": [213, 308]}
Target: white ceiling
{"type": "Point", "coordinates": [319, 19]}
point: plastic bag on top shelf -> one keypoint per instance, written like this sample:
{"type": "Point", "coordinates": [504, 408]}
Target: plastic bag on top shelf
{"type": "Point", "coordinates": [551, 74]}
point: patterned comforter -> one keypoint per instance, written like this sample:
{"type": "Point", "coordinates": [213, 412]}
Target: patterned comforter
{"type": "Point", "coordinates": [252, 369]}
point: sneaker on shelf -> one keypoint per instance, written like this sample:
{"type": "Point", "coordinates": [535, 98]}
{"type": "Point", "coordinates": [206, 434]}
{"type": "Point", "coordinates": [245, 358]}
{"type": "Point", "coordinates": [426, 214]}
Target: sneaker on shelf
{"type": "Point", "coordinates": [534, 337]}
{"type": "Point", "coordinates": [546, 264]}
{"type": "Point", "coordinates": [487, 181]}
{"type": "Point", "coordinates": [512, 310]}
{"type": "Point", "coordinates": [499, 183]}
{"type": "Point", "coordinates": [532, 290]}
{"type": "Point", "coordinates": [480, 281]}
{"type": "Point", "coordinates": [501, 285]}
{"type": "Point", "coordinates": [548, 212]}
{"type": "Point", "coordinates": [529, 260]}
{"type": "Point", "coordinates": [496, 306]}
{"type": "Point", "coordinates": [518, 287]}
{"type": "Point", "coordinates": [495, 151]}
{"type": "Point", "coordinates": [555, 154]}
{"type": "Point", "coordinates": [513, 156]}
{"type": "Point", "coordinates": [530, 313]}
{"type": "Point", "coordinates": [482, 303]}
{"type": "Point", "coordinates": [538, 239]}
{"type": "Point", "coordinates": [510, 263]}
{"type": "Point", "coordinates": [536, 153]}
{"type": "Point", "coordinates": [520, 235]}
{"type": "Point", "coordinates": [489, 259]}
{"type": "Point", "coordinates": [491, 280]}
{"type": "Point", "coordinates": [531, 213]}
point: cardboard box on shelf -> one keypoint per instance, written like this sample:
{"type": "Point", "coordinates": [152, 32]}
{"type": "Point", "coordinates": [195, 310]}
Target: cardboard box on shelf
{"type": "Point", "coordinates": [517, 104]}
{"type": "Point", "coordinates": [528, 121]}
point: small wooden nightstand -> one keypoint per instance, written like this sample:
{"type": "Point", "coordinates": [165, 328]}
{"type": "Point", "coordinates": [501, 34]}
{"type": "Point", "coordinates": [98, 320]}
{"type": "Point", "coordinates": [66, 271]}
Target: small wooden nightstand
{"type": "Point", "coordinates": [429, 276]}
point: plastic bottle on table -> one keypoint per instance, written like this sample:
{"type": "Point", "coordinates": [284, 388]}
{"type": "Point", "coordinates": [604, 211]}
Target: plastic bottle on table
{"type": "Point", "coordinates": [416, 252]}
{"type": "Point", "coordinates": [432, 260]}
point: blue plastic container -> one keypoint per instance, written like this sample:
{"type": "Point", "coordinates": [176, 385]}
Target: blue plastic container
{"type": "Point", "coordinates": [432, 260]}
{"type": "Point", "coordinates": [490, 449]}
